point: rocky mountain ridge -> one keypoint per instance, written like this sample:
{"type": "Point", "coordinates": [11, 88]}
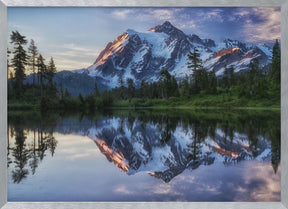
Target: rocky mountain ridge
{"type": "Point", "coordinates": [141, 56]}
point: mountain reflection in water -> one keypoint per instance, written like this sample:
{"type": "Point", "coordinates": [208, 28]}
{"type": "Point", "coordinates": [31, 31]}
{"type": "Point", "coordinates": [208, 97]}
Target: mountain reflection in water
{"type": "Point", "coordinates": [163, 145]}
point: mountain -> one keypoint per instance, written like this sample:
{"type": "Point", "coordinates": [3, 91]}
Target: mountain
{"type": "Point", "coordinates": [141, 56]}
{"type": "Point", "coordinates": [135, 146]}
{"type": "Point", "coordinates": [75, 83]}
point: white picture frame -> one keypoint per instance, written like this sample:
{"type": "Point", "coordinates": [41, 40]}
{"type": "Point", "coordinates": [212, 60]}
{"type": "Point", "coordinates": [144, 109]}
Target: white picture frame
{"type": "Point", "coordinates": [144, 3]}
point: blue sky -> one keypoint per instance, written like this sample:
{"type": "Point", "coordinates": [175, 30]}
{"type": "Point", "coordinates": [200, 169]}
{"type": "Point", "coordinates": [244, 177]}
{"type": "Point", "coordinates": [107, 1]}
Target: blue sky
{"type": "Point", "coordinates": [75, 36]}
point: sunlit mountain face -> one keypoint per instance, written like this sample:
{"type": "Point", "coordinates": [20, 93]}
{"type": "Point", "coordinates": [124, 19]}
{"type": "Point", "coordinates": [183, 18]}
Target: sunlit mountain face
{"type": "Point", "coordinates": [141, 56]}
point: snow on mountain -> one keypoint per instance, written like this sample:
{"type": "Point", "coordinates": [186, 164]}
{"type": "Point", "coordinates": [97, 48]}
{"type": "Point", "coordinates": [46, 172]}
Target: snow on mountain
{"type": "Point", "coordinates": [134, 147]}
{"type": "Point", "coordinates": [143, 55]}
{"type": "Point", "coordinates": [266, 49]}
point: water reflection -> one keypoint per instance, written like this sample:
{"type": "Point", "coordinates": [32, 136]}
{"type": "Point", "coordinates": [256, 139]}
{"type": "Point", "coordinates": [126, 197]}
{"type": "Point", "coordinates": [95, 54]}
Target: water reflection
{"type": "Point", "coordinates": [170, 146]}
{"type": "Point", "coordinates": [26, 153]}
{"type": "Point", "coordinates": [166, 145]}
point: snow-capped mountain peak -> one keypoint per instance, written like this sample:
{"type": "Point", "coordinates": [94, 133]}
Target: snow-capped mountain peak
{"type": "Point", "coordinates": [141, 56]}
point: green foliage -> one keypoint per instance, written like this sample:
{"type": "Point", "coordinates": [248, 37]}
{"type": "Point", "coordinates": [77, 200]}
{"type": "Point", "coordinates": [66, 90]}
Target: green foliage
{"type": "Point", "coordinates": [212, 81]}
{"type": "Point", "coordinates": [96, 91]}
{"type": "Point", "coordinates": [168, 84]}
{"type": "Point", "coordinates": [131, 88]}
{"type": "Point", "coordinates": [50, 71]}
{"type": "Point", "coordinates": [255, 87]}
{"type": "Point", "coordinates": [48, 103]}
{"type": "Point", "coordinates": [107, 99]}
{"type": "Point", "coordinates": [276, 65]}
{"type": "Point", "coordinates": [32, 54]}
{"type": "Point", "coordinates": [184, 88]}
{"type": "Point", "coordinates": [90, 102]}
{"type": "Point", "coordinates": [19, 61]}
{"type": "Point", "coordinates": [194, 62]}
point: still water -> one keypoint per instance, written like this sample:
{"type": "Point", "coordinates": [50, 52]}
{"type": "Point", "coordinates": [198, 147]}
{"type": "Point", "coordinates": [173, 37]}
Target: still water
{"type": "Point", "coordinates": [174, 155]}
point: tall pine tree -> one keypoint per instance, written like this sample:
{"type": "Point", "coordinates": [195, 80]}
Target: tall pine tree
{"type": "Point", "coordinates": [51, 70]}
{"type": "Point", "coordinates": [33, 53]}
{"type": "Point", "coordinates": [195, 64]}
{"type": "Point", "coordinates": [96, 91]}
{"type": "Point", "coordinates": [41, 72]}
{"type": "Point", "coordinates": [131, 88]}
{"type": "Point", "coordinates": [212, 82]}
{"type": "Point", "coordinates": [276, 65]}
{"type": "Point", "coordinates": [19, 61]}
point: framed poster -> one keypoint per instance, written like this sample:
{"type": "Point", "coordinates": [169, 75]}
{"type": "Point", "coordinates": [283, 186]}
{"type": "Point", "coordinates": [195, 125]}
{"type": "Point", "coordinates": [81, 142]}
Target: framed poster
{"type": "Point", "coordinates": [133, 104]}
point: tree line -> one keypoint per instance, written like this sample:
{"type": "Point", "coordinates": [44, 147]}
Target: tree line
{"type": "Point", "coordinates": [25, 61]}
{"type": "Point", "coordinates": [42, 91]}
{"type": "Point", "coordinates": [255, 83]}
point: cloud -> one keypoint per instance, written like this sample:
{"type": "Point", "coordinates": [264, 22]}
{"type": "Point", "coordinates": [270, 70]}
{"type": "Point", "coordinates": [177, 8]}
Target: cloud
{"type": "Point", "coordinates": [213, 15]}
{"type": "Point", "coordinates": [121, 13]}
{"type": "Point", "coordinates": [162, 14]}
{"type": "Point", "coordinates": [238, 14]}
{"type": "Point", "coordinates": [122, 189]}
{"type": "Point", "coordinates": [70, 64]}
{"type": "Point", "coordinates": [187, 24]}
{"type": "Point", "coordinates": [176, 16]}
{"type": "Point", "coordinates": [261, 24]}
{"type": "Point", "coordinates": [73, 50]}
{"type": "Point", "coordinates": [144, 14]}
{"type": "Point", "coordinates": [71, 56]}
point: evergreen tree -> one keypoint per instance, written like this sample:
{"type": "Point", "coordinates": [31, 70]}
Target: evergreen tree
{"type": "Point", "coordinates": [212, 80]}
{"type": "Point", "coordinates": [81, 99]}
{"type": "Point", "coordinates": [194, 60]}
{"type": "Point", "coordinates": [121, 88]}
{"type": "Point", "coordinates": [195, 147]}
{"type": "Point", "coordinates": [225, 79]}
{"type": "Point", "coordinates": [21, 156]}
{"type": "Point", "coordinates": [275, 72]}
{"type": "Point", "coordinates": [174, 87]}
{"type": "Point", "coordinates": [19, 60]}
{"type": "Point", "coordinates": [194, 64]}
{"type": "Point", "coordinates": [67, 93]}
{"type": "Point", "coordinates": [166, 84]}
{"type": "Point", "coordinates": [184, 88]}
{"type": "Point", "coordinates": [8, 65]}
{"type": "Point", "coordinates": [33, 53]}
{"type": "Point", "coordinates": [50, 71]}
{"type": "Point", "coordinates": [10, 76]}
{"type": "Point", "coordinates": [253, 76]}
{"type": "Point", "coordinates": [131, 88]}
{"type": "Point", "coordinates": [203, 79]}
{"type": "Point", "coordinates": [41, 71]}
{"type": "Point", "coordinates": [242, 85]}
{"type": "Point", "coordinates": [61, 91]}
{"type": "Point", "coordinates": [232, 77]}
{"type": "Point", "coordinates": [144, 89]}
{"type": "Point", "coordinates": [96, 91]}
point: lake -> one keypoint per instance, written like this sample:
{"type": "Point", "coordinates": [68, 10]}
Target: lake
{"type": "Point", "coordinates": [145, 155]}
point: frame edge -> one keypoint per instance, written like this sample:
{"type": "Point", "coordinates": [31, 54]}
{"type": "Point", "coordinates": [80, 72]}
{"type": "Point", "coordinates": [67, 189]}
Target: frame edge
{"type": "Point", "coordinates": [139, 3]}
{"type": "Point", "coordinates": [3, 89]}
{"type": "Point", "coordinates": [284, 102]}
{"type": "Point", "coordinates": [3, 103]}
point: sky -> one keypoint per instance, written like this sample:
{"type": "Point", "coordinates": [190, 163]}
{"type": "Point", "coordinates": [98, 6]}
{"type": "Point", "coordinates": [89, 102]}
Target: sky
{"type": "Point", "coordinates": [74, 37]}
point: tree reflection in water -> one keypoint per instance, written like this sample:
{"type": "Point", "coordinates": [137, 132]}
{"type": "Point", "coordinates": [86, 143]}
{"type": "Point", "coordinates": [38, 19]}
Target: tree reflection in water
{"type": "Point", "coordinates": [30, 152]}
{"type": "Point", "coordinates": [26, 153]}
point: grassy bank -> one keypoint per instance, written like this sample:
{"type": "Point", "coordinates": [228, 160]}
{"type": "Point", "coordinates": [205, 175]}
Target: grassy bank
{"type": "Point", "coordinates": [196, 102]}
{"type": "Point", "coordinates": [199, 101]}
